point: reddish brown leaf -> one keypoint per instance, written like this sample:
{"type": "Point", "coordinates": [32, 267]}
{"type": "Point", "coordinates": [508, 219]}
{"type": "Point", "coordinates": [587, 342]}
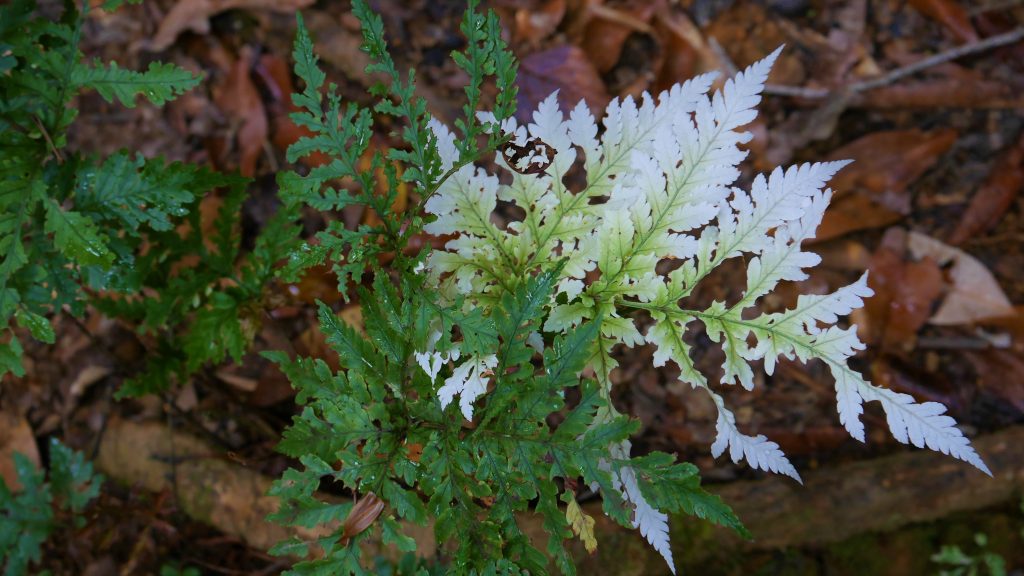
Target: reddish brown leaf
{"type": "Point", "coordinates": [533, 24]}
{"type": "Point", "coordinates": [886, 163]}
{"type": "Point", "coordinates": [905, 292]}
{"type": "Point", "coordinates": [194, 15]}
{"type": "Point", "coordinates": [872, 191]}
{"type": "Point", "coordinates": [609, 27]}
{"type": "Point", "coordinates": [362, 516]}
{"type": "Point", "coordinates": [564, 68]}
{"type": "Point", "coordinates": [15, 436]}
{"type": "Point", "coordinates": [1001, 374]}
{"type": "Point", "coordinates": [974, 295]}
{"type": "Point", "coordinates": [950, 14]}
{"type": "Point", "coordinates": [995, 196]}
{"type": "Point", "coordinates": [851, 212]}
{"type": "Point", "coordinates": [239, 99]}
{"type": "Point", "coordinates": [976, 93]}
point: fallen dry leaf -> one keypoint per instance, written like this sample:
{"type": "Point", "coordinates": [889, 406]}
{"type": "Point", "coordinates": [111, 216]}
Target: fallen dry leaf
{"type": "Point", "coordinates": [995, 196]}
{"type": "Point", "coordinates": [1001, 374]}
{"type": "Point", "coordinates": [535, 23]}
{"type": "Point", "coordinates": [564, 68]}
{"type": "Point", "coordinates": [608, 27]}
{"type": "Point", "coordinates": [873, 190]}
{"type": "Point", "coordinates": [905, 292]}
{"type": "Point", "coordinates": [886, 163]}
{"type": "Point", "coordinates": [974, 295]}
{"type": "Point", "coordinates": [15, 436]}
{"type": "Point", "coordinates": [949, 13]}
{"type": "Point", "coordinates": [361, 517]}
{"type": "Point", "coordinates": [239, 99]}
{"type": "Point", "coordinates": [194, 16]}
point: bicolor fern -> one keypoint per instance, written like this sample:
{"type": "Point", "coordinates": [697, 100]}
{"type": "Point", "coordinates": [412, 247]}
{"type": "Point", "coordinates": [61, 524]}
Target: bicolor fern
{"type": "Point", "coordinates": [660, 187]}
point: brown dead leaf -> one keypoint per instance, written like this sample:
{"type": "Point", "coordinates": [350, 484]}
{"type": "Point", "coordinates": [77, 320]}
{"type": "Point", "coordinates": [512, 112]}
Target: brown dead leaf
{"type": "Point", "coordinates": [536, 23]}
{"type": "Point", "coordinates": [240, 101]}
{"type": "Point", "coordinates": [1001, 374]}
{"type": "Point", "coordinates": [949, 13]}
{"type": "Point", "coordinates": [683, 47]}
{"type": "Point", "coordinates": [608, 27]}
{"type": "Point", "coordinates": [852, 212]}
{"type": "Point", "coordinates": [873, 190]}
{"type": "Point", "coordinates": [15, 437]}
{"type": "Point", "coordinates": [564, 68]}
{"type": "Point", "coordinates": [361, 517]}
{"type": "Point", "coordinates": [955, 87]}
{"type": "Point", "coordinates": [886, 163]}
{"type": "Point", "coordinates": [974, 295]}
{"type": "Point", "coordinates": [995, 196]}
{"type": "Point", "coordinates": [194, 16]}
{"type": "Point", "coordinates": [905, 292]}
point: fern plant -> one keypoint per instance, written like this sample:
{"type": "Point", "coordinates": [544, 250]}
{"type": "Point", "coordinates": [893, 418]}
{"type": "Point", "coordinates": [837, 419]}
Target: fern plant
{"type": "Point", "coordinates": [124, 232]}
{"type": "Point", "coordinates": [468, 398]}
{"type": "Point", "coordinates": [29, 516]}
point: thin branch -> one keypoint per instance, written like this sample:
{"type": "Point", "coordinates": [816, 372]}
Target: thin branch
{"type": "Point", "coordinates": [1011, 37]}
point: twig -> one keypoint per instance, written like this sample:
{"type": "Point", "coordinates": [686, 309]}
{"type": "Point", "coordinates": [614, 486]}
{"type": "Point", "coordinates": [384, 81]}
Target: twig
{"type": "Point", "coordinates": [1015, 35]}
{"type": "Point", "coordinates": [993, 7]}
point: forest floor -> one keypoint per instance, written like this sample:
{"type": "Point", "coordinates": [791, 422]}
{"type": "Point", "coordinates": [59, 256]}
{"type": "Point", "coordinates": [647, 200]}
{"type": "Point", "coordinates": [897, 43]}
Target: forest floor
{"type": "Point", "coordinates": [931, 207]}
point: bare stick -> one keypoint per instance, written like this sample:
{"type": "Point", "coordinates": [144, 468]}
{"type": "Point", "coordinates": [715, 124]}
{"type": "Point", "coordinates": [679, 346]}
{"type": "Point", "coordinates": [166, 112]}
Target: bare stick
{"type": "Point", "coordinates": [1015, 35]}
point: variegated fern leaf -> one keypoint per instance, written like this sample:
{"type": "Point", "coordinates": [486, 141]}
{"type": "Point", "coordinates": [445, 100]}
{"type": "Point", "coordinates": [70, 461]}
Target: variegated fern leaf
{"type": "Point", "coordinates": [659, 186]}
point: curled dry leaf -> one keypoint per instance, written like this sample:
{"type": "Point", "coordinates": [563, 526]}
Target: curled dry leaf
{"type": "Point", "coordinates": [15, 437]}
{"type": "Point", "coordinates": [949, 13]}
{"type": "Point", "coordinates": [995, 196]}
{"type": "Point", "coordinates": [534, 23]}
{"type": "Point", "coordinates": [239, 99]}
{"type": "Point", "coordinates": [974, 295]}
{"type": "Point", "coordinates": [905, 293]}
{"type": "Point", "coordinates": [361, 517]}
{"type": "Point", "coordinates": [873, 190]}
{"type": "Point", "coordinates": [608, 27]}
{"type": "Point", "coordinates": [564, 68]}
{"type": "Point", "coordinates": [194, 16]}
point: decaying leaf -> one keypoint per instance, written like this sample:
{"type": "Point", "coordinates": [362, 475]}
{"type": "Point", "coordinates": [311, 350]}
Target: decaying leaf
{"type": "Point", "coordinates": [582, 525]}
{"type": "Point", "coordinates": [905, 293]}
{"type": "Point", "coordinates": [194, 15]}
{"type": "Point", "coordinates": [995, 196]}
{"type": "Point", "coordinates": [362, 516]}
{"type": "Point", "coordinates": [974, 295]}
{"type": "Point", "coordinates": [15, 437]}
{"type": "Point", "coordinates": [239, 99]}
{"type": "Point", "coordinates": [873, 190]}
{"type": "Point", "coordinates": [566, 69]}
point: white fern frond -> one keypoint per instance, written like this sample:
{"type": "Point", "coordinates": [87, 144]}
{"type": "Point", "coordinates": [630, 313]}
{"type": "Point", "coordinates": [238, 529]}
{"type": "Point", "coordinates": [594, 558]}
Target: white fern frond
{"type": "Point", "coordinates": [468, 381]}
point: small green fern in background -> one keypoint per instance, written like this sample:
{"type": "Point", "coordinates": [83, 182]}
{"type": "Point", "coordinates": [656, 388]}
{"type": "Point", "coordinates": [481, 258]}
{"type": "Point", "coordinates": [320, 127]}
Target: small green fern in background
{"type": "Point", "coordinates": [29, 515]}
{"type": "Point", "coordinates": [73, 227]}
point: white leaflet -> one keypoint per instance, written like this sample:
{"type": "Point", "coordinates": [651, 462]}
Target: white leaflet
{"type": "Point", "coordinates": [445, 143]}
{"type": "Point", "coordinates": [923, 425]}
{"type": "Point", "coordinates": [469, 381]}
{"type": "Point", "coordinates": [758, 451]}
{"type": "Point", "coordinates": [811, 308]}
{"type": "Point", "coordinates": [652, 523]}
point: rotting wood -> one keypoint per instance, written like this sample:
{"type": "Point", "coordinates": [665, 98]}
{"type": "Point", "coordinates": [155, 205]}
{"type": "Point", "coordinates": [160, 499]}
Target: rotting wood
{"type": "Point", "coordinates": [833, 504]}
